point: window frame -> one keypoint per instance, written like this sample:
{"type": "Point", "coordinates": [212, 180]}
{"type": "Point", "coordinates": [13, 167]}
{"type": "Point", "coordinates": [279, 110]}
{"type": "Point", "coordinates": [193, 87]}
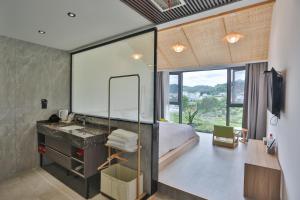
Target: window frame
{"type": "Point", "coordinates": [229, 103]}
{"type": "Point", "coordinates": [179, 100]}
{"type": "Point", "coordinates": [178, 83]}
{"type": "Point", "coordinates": [233, 69]}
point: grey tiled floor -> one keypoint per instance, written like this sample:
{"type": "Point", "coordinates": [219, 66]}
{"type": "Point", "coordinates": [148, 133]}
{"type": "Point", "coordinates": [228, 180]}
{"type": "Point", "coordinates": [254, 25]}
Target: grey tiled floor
{"type": "Point", "coordinates": [37, 184]}
{"type": "Point", "coordinates": [207, 171]}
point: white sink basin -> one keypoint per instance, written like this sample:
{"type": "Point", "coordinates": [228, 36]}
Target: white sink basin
{"type": "Point", "coordinates": [81, 134]}
{"type": "Point", "coordinates": [71, 128]}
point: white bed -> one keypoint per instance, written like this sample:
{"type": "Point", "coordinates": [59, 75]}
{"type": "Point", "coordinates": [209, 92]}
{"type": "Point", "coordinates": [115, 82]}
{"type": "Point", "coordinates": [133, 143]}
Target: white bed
{"type": "Point", "coordinates": [174, 140]}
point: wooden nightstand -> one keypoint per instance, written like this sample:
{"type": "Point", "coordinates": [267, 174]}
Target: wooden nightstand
{"type": "Point", "coordinates": [262, 173]}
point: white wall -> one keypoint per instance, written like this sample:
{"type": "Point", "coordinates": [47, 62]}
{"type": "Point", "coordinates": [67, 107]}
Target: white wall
{"type": "Point", "coordinates": [284, 56]}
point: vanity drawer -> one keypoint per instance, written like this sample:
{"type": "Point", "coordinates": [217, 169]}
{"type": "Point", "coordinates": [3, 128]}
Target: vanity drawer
{"type": "Point", "coordinates": [58, 157]}
{"type": "Point", "coordinates": [59, 145]}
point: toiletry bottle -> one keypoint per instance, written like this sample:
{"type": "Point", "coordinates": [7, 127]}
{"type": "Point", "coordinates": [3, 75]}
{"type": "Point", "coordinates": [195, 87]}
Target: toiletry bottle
{"type": "Point", "coordinates": [270, 139]}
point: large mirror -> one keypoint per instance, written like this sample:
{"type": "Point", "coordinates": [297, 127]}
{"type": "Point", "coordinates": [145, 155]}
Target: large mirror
{"type": "Point", "coordinates": [91, 70]}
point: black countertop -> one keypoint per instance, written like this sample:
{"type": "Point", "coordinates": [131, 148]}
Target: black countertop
{"type": "Point", "coordinates": [83, 137]}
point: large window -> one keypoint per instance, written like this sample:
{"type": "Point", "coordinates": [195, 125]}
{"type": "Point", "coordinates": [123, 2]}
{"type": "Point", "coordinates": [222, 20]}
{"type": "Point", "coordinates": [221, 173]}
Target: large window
{"type": "Point", "coordinates": [204, 99]}
{"type": "Point", "coordinates": [207, 98]}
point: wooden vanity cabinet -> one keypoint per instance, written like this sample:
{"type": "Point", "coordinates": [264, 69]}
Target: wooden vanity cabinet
{"type": "Point", "coordinates": [58, 157]}
{"type": "Point", "coordinates": [58, 144]}
{"type": "Point", "coordinates": [90, 160]}
{"type": "Point", "coordinates": [64, 153]}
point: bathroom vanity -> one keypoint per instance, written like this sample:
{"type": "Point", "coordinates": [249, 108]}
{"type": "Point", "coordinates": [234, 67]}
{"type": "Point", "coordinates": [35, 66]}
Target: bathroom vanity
{"type": "Point", "coordinates": [72, 153]}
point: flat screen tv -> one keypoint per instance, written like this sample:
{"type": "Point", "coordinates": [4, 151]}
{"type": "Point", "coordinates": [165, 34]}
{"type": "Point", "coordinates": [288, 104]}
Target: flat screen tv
{"type": "Point", "coordinates": [274, 92]}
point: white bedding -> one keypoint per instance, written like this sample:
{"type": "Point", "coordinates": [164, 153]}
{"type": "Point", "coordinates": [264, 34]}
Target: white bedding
{"type": "Point", "coordinates": [173, 135]}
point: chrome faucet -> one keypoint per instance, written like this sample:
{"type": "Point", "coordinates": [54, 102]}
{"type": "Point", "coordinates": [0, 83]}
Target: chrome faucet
{"type": "Point", "coordinates": [82, 119]}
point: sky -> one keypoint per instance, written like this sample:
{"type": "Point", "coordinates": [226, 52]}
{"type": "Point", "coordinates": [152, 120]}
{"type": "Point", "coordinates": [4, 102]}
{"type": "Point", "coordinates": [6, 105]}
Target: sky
{"type": "Point", "coordinates": [173, 79]}
{"type": "Point", "coordinates": [210, 78]}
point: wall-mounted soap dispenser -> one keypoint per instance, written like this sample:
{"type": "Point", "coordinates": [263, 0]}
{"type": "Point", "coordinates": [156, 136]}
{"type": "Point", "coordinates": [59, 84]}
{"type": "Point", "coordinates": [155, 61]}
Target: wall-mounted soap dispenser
{"type": "Point", "coordinates": [44, 103]}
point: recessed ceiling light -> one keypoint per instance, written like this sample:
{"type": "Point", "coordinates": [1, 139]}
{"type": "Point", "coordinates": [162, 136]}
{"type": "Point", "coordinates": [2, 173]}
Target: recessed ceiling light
{"type": "Point", "coordinates": [233, 37]}
{"type": "Point", "coordinates": [137, 56]}
{"type": "Point", "coordinates": [70, 14]}
{"type": "Point", "coordinates": [178, 48]}
{"type": "Point", "coordinates": [41, 32]}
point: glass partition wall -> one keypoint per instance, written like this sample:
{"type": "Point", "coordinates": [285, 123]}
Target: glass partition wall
{"type": "Point", "coordinates": [207, 98]}
{"type": "Point", "coordinates": [92, 68]}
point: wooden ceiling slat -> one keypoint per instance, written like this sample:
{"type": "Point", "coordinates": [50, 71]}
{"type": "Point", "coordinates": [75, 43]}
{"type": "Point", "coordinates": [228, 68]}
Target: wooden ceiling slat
{"type": "Point", "coordinates": [150, 11]}
{"type": "Point", "coordinates": [171, 13]}
{"type": "Point", "coordinates": [201, 4]}
{"type": "Point", "coordinates": [206, 4]}
{"type": "Point", "coordinates": [146, 6]}
{"type": "Point", "coordinates": [180, 10]}
{"type": "Point", "coordinates": [167, 14]}
{"type": "Point", "coordinates": [155, 11]}
{"type": "Point", "coordinates": [211, 3]}
{"type": "Point", "coordinates": [187, 11]}
{"type": "Point", "coordinates": [195, 5]}
{"type": "Point", "coordinates": [177, 12]}
{"type": "Point", "coordinates": [217, 3]}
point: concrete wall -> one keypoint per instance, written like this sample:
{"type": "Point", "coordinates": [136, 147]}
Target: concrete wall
{"type": "Point", "coordinates": [28, 73]}
{"type": "Point", "coordinates": [284, 56]}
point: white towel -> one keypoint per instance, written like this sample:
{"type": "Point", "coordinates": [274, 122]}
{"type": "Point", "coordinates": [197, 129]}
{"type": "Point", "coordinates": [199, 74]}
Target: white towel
{"type": "Point", "coordinates": [111, 142]}
{"type": "Point", "coordinates": [112, 137]}
{"type": "Point", "coordinates": [126, 135]}
{"type": "Point", "coordinates": [130, 148]}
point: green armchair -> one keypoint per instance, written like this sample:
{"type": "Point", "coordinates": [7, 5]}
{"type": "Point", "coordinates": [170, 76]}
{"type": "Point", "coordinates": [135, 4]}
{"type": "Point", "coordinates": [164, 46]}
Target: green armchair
{"type": "Point", "coordinates": [225, 136]}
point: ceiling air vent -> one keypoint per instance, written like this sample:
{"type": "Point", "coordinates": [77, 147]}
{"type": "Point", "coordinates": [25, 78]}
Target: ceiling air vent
{"type": "Point", "coordinates": [165, 5]}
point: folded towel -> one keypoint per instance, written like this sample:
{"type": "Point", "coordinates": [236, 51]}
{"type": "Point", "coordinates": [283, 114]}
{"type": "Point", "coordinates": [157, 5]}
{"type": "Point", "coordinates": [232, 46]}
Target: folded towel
{"type": "Point", "coordinates": [130, 148]}
{"type": "Point", "coordinates": [126, 135]}
{"type": "Point", "coordinates": [122, 145]}
{"type": "Point", "coordinates": [121, 140]}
